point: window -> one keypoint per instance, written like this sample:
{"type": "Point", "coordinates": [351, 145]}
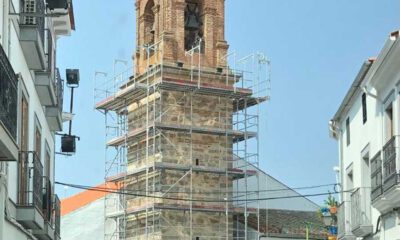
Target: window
{"type": "Point", "coordinates": [364, 107]}
{"type": "Point", "coordinates": [23, 141]}
{"type": "Point", "coordinates": [348, 131]}
{"type": "Point", "coordinates": [149, 21]}
{"type": "Point", "coordinates": [38, 142]}
{"type": "Point", "coordinates": [47, 161]}
{"type": "Point", "coordinates": [389, 122]}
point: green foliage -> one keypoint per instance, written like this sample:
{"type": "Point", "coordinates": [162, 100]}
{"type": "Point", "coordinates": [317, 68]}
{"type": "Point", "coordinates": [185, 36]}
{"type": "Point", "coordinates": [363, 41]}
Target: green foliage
{"type": "Point", "coordinates": [331, 201]}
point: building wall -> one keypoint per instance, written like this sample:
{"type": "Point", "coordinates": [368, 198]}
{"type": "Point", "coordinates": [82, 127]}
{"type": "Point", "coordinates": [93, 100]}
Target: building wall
{"type": "Point", "coordinates": [10, 41]}
{"type": "Point", "coordinates": [368, 139]}
{"type": "Point", "coordinates": [267, 187]}
{"type": "Point", "coordinates": [85, 223]}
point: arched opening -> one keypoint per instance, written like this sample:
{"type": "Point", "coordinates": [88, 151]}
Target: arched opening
{"type": "Point", "coordinates": [149, 20]}
{"type": "Point", "coordinates": [194, 27]}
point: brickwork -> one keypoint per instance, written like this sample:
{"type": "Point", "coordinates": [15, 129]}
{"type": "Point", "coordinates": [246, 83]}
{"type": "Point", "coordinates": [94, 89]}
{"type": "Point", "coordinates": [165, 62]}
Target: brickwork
{"type": "Point", "coordinates": [167, 22]}
{"type": "Point", "coordinates": [164, 21]}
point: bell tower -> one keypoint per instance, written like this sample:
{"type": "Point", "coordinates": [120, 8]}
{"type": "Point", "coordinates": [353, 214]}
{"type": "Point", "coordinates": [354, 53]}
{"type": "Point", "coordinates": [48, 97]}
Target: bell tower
{"type": "Point", "coordinates": [175, 27]}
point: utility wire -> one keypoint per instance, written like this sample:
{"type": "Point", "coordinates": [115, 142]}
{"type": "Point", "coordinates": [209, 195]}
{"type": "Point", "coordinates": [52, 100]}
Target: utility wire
{"type": "Point", "coordinates": [195, 200]}
{"type": "Point", "coordinates": [334, 185]}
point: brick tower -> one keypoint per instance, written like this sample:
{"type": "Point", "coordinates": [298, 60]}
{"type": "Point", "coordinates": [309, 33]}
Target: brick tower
{"type": "Point", "coordinates": [182, 108]}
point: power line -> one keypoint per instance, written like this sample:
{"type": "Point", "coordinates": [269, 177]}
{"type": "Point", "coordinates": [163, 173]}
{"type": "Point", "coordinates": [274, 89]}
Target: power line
{"type": "Point", "coordinates": [334, 185]}
{"type": "Point", "coordinates": [194, 200]}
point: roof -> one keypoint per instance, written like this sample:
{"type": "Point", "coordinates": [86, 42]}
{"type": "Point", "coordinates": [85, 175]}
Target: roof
{"type": "Point", "coordinates": [84, 198]}
{"type": "Point", "coordinates": [366, 73]}
{"type": "Point", "coordinates": [287, 223]}
{"type": "Point", "coordinates": [354, 89]}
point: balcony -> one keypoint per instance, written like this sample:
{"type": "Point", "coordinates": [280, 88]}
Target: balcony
{"type": "Point", "coordinates": [54, 113]}
{"type": "Point", "coordinates": [30, 192]}
{"type": "Point", "coordinates": [361, 224]}
{"type": "Point", "coordinates": [344, 227]}
{"type": "Point", "coordinates": [8, 110]}
{"type": "Point", "coordinates": [48, 232]}
{"type": "Point", "coordinates": [390, 182]}
{"type": "Point", "coordinates": [45, 80]}
{"type": "Point", "coordinates": [32, 33]}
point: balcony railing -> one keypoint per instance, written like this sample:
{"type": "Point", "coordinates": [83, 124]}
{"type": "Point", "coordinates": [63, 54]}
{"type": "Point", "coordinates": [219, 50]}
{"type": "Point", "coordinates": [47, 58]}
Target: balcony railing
{"type": "Point", "coordinates": [8, 95]}
{"type": "Point", "coordinates": [28, 9]}
{"type": "Point", "coordinates": [47, 200]}
{"type": "Point", "coordinates": [57, 214]}
{"type": "Point", "coordinates": [361, 224]}
{"type": "Point", "coordinates": [344, 227]}
{"type": "Point", "coordinates": [31, 181]}
{"type": "Point", "coordinates": [376, 176]}
{"type": "Point", "coordinates": [390, 176]}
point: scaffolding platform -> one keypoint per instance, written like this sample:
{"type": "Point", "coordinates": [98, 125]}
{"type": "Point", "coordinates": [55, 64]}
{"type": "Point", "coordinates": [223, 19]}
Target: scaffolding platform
{"type": "Point", "coordinates": [136, 91]}
{"type": "Point", "coordinates": [236, 173]}
{"type": "Point", "coordinates": [237, 136]}
{"type": "Point", "coordinates": [119, 100]}
{"type": "Point", "coordinates": [197, 208]}
{"type": "Point", "coordinates": [243, 103]}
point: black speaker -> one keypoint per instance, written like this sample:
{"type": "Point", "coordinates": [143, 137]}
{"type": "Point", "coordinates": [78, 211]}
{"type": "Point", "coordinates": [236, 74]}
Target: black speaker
{"type": "Point", "coordinates": [68, 144]}
{"type": "Point", "coordinates": [72, 77]}
{"type": "Point", "coordinates": [57, 4]}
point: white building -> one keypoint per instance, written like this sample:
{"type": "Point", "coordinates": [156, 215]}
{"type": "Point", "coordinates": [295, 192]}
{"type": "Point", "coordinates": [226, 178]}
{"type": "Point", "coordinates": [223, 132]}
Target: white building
{"type": "Point", "coordinates": [31, 97]}
{"type": "Point", "coordinates": [367, 129]}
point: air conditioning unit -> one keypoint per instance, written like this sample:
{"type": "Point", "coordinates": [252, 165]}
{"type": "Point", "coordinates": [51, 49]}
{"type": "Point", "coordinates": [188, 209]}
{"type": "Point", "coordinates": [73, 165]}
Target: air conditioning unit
{"type": "Point", "coordinates": [57, 4]}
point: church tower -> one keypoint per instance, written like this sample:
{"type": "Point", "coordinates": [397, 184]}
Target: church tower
{"type": "Point", "coordinates": [187, 131]}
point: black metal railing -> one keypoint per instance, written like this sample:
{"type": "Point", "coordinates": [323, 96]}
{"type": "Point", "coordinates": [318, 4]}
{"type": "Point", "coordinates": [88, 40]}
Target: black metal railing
{"type": "Point", "coordinates": [389, 164]}
{"type": "Point", "coordinates": [50, 51]}
{"type": "Point", "coordinates": [47, 200]}
{"type": "Point", "coordinates": [57, 214]}
{"type": "Point", "coordinates": [8, 95]}
{"type": "Point", "coordinates": [59, 84]}
{"type": "Point", "coordinates": [376, 176]}
{"type": "Point", "coordinates": [33, 15]}
{"type": "Point", "coordinates": [31, 181]}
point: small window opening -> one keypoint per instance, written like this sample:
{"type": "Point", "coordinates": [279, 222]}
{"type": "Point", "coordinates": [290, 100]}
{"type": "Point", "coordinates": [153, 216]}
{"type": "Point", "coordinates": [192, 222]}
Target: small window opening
{"type": "Point", "coordinates": [348, 131]}
{"type": "Point", "coordinates": [364, 107]}
{"type": "Point", "coordinates": [197, 162]}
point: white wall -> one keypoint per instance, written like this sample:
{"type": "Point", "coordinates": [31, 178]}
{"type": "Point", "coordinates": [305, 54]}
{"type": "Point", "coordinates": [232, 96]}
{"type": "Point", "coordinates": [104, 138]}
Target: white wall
{"type": "Point", "coordinates": [84, 223]}
{"type": "Point", "coordinates": [266, 184]}
{"type": "Point", "coordinates": [371, 134]}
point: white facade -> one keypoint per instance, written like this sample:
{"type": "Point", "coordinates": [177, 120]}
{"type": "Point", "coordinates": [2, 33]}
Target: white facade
{"type": "Point", "coordinates": [267, 187]}
{"type": "Point", "coordinates": [30, 115]}
{"type": "Point", "coordinates": [366, 127]}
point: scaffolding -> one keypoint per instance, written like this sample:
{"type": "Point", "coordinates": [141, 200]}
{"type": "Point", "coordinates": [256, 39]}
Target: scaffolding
{"type": "Point", "coordinates": [177, 140]}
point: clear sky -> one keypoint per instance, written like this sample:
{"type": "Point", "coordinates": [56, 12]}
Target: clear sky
{"type": "Point", "coordinates": [316, 48]}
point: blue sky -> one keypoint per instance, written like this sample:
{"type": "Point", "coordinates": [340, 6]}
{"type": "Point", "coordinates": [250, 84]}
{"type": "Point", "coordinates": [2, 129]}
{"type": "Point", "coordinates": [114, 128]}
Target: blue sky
{"type": "Point", "coordinates": [316, 48]}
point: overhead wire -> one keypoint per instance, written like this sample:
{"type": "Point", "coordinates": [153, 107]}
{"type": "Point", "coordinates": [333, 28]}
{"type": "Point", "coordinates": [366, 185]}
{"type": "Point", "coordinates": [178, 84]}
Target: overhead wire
{"type": "Point", "coordinates": [334, 185]}
{"type": "Point", "coordinates": [117, 191]}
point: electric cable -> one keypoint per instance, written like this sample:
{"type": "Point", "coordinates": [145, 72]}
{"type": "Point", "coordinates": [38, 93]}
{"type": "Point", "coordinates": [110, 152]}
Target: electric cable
{"type": "Point", "coordinates": [195, 200]}
{"type": "Point", "coordinates": [249, 192]}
